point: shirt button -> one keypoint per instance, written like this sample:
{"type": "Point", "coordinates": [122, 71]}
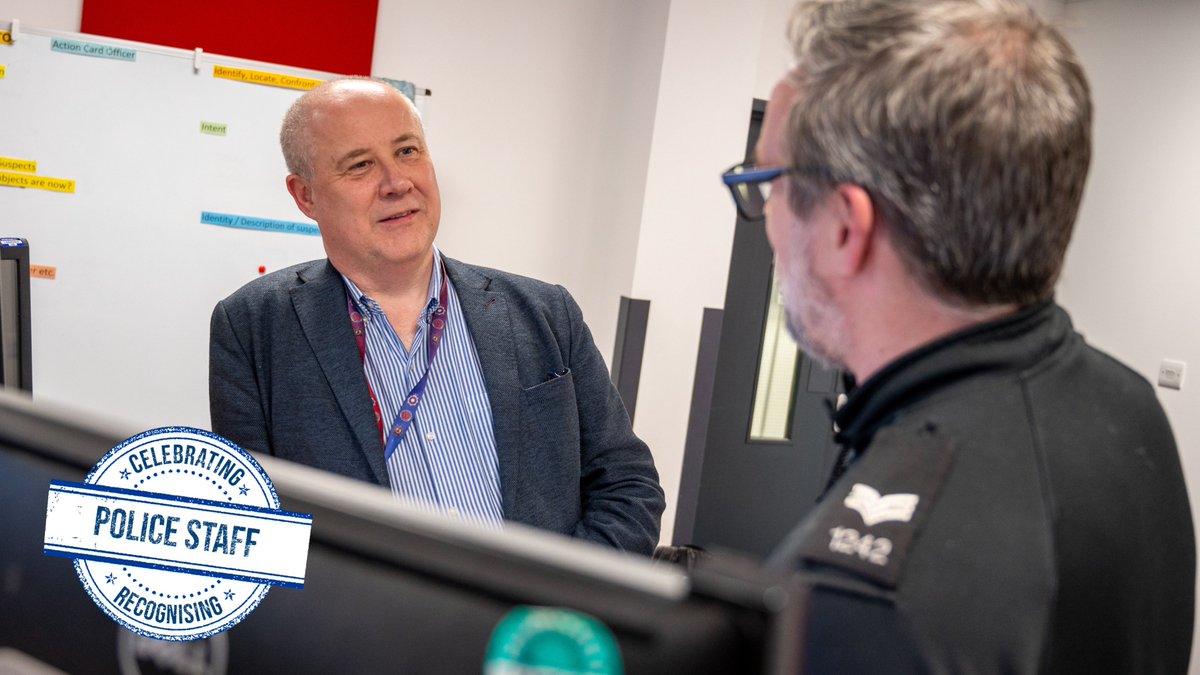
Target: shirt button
{"type": "Point", "coordinates": [429, 436]}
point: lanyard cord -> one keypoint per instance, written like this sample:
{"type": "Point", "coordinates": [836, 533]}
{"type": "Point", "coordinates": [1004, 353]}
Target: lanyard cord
{"type": "Point", "coordinates": [408, 411]}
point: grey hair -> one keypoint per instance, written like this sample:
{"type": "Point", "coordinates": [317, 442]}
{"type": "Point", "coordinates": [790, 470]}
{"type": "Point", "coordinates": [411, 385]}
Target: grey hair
{"type": "Point", "coordinates": [294, 137]}
{"type": "Point", "coordinates": [967, 121]}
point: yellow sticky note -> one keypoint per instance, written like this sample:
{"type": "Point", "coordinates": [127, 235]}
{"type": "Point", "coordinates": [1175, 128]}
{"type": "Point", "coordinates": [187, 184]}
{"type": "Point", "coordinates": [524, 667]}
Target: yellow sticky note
{"type": "Point", "coordinates": [5, 37]}
{"type": "Point", "coordinates": [2, 72]}
{"type": "Point", "coordinates": [262, 77]}
{"type": "Point", "coordinates": [22, 165]}
{"type": "Point", "coordinates": [43, 271]}
{"type": "Point", "coordinates": [36, 182]}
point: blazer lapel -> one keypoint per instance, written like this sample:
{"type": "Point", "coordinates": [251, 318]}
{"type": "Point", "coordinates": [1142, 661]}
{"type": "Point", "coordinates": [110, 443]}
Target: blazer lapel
{"type": "Point", "coordinates": [486, 313]}
{"type": "Point", "coordinates": [320, 303]}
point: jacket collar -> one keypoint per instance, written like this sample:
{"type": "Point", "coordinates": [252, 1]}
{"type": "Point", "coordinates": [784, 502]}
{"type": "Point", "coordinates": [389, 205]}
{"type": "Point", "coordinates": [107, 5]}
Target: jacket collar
{"type": "Point", "coordinates": [1007, 345]}
{"type": "Point", "coordinates": [320, 305]}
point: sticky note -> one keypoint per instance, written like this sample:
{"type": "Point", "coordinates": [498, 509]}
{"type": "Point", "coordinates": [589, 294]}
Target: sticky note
{"type": "Point", "coordinates": [42, 272]}
{"type": "Point", "coordinates": [407, 88]}
{"type": "Point", "coordinates": [3, 72]}
{"type": "Point", "coordinates": [212, 128]}
{"type": "Point", "coordinates": [5, 37]}
{"type": "Point", "coordinates": [262, 77]}
{"type": "Point", "coordinates": [22, 165]}
{"type": "Point", "coordinates": [36, 182]}
{"type": "Point", "coordinates": [252, 223]}
{"type": "Point", "coordinates": [92, 49]}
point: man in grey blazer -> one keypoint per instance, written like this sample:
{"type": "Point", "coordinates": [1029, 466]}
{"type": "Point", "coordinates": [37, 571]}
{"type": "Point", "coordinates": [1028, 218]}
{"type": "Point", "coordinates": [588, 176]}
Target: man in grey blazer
{"type": "Point", "coordinates": [493, 398]}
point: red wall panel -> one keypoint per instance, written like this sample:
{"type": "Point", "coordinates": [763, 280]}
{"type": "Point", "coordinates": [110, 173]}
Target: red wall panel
{"type": "Point", "coordinates": [334, 36]}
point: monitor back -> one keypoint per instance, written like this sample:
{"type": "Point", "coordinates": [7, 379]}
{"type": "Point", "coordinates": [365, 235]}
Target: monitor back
{"type": "Point", "coordinates": [387, 588]}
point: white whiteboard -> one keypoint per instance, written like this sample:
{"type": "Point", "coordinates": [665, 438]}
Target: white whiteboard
{"type": "Point", "coordinates": [123, 328]}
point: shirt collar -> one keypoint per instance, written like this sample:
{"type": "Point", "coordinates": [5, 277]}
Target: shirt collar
{"type": "Point", "coordinates": [366, 304]}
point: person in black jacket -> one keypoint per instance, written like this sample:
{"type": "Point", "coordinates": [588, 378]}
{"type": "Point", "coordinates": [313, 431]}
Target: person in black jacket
{"type": "Point", "coordinates": [1008, 498]}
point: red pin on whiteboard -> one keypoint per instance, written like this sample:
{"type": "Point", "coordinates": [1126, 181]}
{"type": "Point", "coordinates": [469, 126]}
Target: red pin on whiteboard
{"type": "Point", "coordinates": [262, 269]}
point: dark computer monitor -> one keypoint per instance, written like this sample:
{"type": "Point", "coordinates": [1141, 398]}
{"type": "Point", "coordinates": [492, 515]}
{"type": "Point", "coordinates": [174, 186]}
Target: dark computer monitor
{"type": "Point", "coordinates": [16, 355]}
{"type": "Point", "coordinates": [387, 588]}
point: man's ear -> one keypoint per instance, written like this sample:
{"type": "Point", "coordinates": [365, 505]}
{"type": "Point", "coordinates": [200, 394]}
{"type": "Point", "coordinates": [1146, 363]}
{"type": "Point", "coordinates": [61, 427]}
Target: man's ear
{"type": "Point", "coordinates": [858, 226]}
{"type": "Point", "coordinates": [301, 193]}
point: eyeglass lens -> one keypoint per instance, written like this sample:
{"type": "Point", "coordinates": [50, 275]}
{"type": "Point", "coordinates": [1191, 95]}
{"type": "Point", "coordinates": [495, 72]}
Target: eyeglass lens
{"type": "Point", "coordinates": [753, 198]}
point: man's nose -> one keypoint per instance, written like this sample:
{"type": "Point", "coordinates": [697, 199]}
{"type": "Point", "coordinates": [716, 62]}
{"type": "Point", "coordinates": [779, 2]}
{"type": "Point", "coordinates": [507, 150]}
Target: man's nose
{"type": "Point", "coordinates": [394, 179]}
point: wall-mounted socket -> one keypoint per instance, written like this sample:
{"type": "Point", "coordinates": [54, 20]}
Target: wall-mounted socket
{"type": "Point", "coordinates": [1170, 374]}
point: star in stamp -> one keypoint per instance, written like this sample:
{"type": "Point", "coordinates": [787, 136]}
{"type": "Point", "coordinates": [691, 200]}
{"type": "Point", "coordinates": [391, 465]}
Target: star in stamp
{"type": "Point", "coordinates": [177, 534]}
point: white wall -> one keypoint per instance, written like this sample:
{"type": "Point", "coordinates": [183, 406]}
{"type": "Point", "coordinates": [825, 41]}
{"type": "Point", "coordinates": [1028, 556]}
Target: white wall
{"type": "Point", "coordinates": [539, 125]}
{"type": "Point", "coordinates": [57, 14]}
{"type": "Point", "coordinates": [708, 79]}
{"type": "Point", "coordinates": [776, 55]}
{"type": "Point", "coordinates": [1130, 282]}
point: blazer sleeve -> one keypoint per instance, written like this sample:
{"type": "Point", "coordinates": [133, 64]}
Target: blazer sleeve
{"type": "Point", "coordinates": [234, 400]}
{"type": "Point", "coordinates": [621, 499]}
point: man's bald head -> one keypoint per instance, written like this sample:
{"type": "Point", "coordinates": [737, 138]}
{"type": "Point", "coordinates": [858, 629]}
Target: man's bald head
{"type": "Point", "coordinates": [295, 137]}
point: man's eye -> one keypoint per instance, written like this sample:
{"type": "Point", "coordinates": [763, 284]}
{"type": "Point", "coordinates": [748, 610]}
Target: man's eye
{"type": "Point", "coordinates": [407, 150]}
{"type": "Point", "coordinates": [360, 165]}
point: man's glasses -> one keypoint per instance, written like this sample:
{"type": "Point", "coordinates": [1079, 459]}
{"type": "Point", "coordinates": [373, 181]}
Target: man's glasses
{"type": "Point", "coordinates": [751, 187]}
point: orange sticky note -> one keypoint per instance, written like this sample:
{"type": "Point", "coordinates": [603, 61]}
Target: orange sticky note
{"type": "Point", "coordinates": [43, 271]}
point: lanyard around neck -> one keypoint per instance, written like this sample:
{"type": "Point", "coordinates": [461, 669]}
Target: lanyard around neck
{"type": "Point", "coordinates": [408, 411]}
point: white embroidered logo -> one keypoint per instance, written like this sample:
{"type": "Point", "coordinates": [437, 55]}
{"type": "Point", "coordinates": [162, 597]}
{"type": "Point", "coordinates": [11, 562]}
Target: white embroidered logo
{"type": "Point", "coordinates": [875, 508]}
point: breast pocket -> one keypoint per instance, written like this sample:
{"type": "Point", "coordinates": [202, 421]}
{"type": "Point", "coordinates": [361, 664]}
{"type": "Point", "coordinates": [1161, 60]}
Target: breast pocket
{"type": "Point", "coordinates": [550, 435]}
{"type": "Point", "coordinates": [550, 411]}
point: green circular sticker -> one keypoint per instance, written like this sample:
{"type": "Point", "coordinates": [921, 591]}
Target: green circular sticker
{"type": "Point", "coordinates": [551, 641]}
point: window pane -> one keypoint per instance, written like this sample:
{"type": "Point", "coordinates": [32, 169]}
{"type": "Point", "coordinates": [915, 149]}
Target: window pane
{"type": "Point", "coordinates": [775, 385]}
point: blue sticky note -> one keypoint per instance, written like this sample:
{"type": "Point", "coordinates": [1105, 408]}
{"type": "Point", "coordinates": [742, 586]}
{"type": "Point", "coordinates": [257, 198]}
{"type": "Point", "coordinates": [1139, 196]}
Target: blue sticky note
{"type": "Point", "coordinates": [407, 88]}
{"type": "Point", "coordinates": [92, 49]}
{"type": "Point", "coordinates": [252, 223]}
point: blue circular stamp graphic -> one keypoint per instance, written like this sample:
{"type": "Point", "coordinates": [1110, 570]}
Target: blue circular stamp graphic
{"type": "Point", "coordinates": [177, 534]}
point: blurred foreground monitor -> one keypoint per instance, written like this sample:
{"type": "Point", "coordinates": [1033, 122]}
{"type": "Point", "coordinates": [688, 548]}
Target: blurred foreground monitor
{"type": "Point", "coordinates": [387, 589]}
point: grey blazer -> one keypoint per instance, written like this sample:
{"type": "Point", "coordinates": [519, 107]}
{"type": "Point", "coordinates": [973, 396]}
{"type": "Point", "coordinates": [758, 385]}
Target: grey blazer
{"type": "Point", "coordinates": [286, 378]}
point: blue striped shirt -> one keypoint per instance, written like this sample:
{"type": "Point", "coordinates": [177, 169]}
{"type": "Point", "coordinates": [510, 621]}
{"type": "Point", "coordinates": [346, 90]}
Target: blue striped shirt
{"type": "Point", "coordinates": [446, 461]}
